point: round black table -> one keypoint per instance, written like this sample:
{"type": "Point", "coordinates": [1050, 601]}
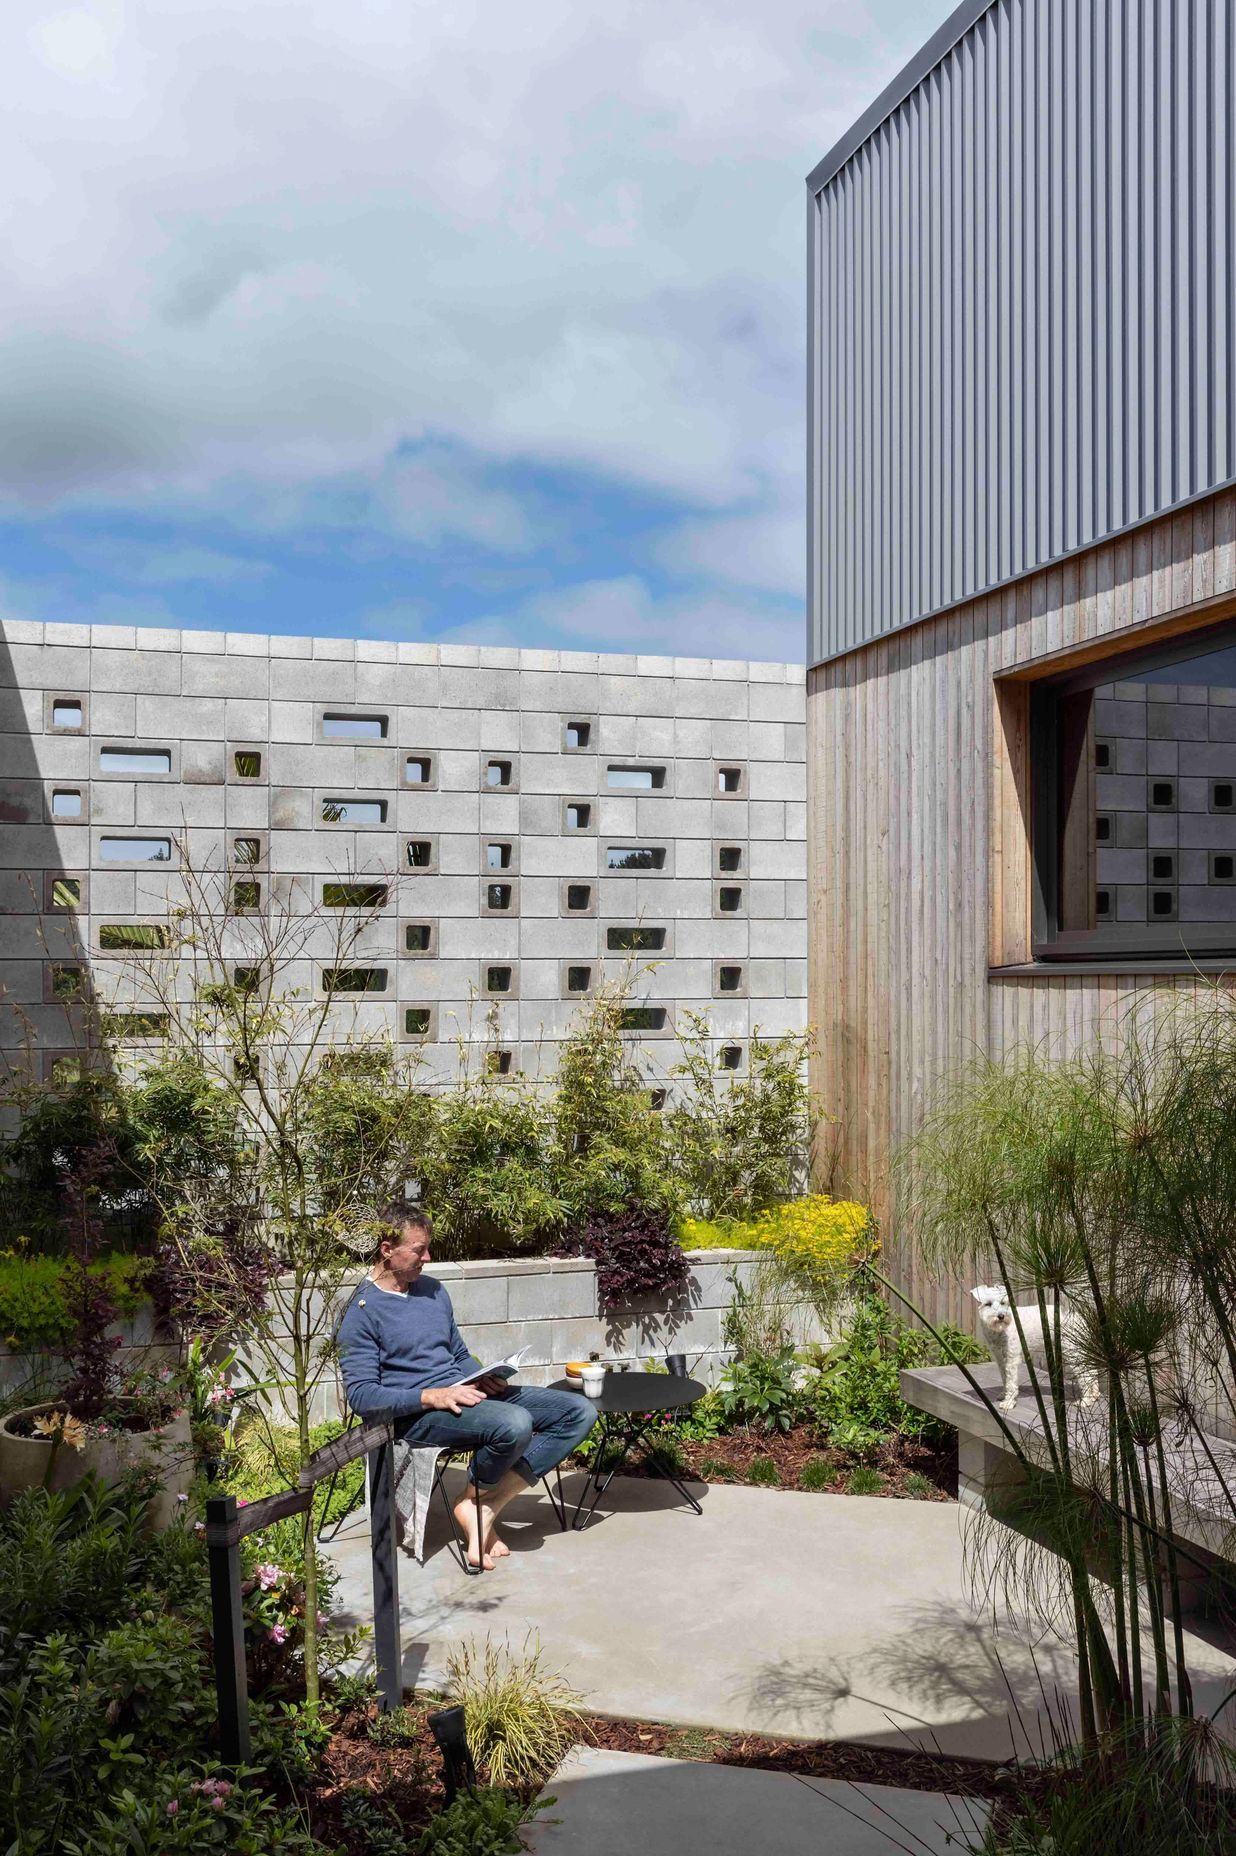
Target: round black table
{"type": "Point", "coordinates": [627, 1408]}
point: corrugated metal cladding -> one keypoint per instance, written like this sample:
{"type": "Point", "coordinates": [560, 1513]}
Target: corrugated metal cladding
{"type": "Point", "coordinates": [1022, 306]}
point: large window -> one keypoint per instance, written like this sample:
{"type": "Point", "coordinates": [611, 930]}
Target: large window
{"type": "Point", "coordinates": [1135, 805]}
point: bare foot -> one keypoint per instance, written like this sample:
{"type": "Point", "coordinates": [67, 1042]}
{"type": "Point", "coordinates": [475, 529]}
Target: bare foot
{"type": "Point", "coordinates": [495, 1546]}
{"type": "Point", "coordinates": [465, 1514]}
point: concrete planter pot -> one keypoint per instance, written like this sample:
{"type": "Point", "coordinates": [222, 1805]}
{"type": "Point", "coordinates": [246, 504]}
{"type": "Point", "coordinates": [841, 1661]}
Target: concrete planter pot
{"type": "Point", "coordinates": [168, 1451]}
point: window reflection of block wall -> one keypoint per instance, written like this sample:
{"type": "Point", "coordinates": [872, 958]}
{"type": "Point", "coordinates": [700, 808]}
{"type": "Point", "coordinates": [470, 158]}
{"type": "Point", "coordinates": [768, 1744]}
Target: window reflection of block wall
{"type": "Point", "coordinates": [532, 811]}
{"type": "Point", "coordinates": [1165, 802]}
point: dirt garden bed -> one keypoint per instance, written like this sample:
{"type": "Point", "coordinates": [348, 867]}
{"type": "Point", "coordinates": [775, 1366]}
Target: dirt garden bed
{"type": "Point", "coordinates": [403, 1771]}
{"type": "Point", "coordinates": [903, 1468]}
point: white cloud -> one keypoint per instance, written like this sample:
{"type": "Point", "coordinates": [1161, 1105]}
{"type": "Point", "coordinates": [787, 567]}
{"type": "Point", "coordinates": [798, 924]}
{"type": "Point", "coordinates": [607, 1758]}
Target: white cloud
{"type": "Point", "coordinates": [438, 496]}
{"type": "Point", "coordinates": [164, 564]}
{"type": "Point", "coordinates": [766, 551]}
{"type": "Point", "coordinates": [276, 240]}
{"type": "Point", "coordinates": [623, 614]}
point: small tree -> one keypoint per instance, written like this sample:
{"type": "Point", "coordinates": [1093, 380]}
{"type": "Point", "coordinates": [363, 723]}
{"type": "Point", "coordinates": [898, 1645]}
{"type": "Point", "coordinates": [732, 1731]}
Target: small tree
{"type": "Point", "coordinates": [483, 1170]}
{"type": "Point", "coordinates": [609, 1158]}
{"type": "Point", "coordinates": [263, 1137]}
{"type": "Point", "coordinates": [739, 1144]}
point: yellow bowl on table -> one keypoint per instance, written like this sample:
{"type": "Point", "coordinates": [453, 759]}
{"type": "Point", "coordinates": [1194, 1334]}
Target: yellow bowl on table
{"type": "Point", "coordinates": [575, 1369]}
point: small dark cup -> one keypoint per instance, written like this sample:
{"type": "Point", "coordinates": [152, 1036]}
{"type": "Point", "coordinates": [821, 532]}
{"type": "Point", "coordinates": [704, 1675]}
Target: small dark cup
{"type": "Point", "coordinates": [676, 1365]}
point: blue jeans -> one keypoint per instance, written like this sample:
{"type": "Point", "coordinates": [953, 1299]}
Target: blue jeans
{"type": "Point", "coordinates": [527, 1430]}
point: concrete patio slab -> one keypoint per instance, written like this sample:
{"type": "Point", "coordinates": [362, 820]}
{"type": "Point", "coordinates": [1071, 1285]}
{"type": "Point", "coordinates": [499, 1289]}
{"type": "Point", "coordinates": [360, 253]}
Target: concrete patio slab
{"type": "Point", "coordinates": [775, 1612]}
{"type": "Point", "coordinates": [608, 1804]}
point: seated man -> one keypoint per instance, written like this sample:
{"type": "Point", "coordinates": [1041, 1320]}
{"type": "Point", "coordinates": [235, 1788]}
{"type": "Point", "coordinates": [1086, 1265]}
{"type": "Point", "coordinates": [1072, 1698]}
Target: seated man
{"type": "Point", "coordinates": [401, 1352]}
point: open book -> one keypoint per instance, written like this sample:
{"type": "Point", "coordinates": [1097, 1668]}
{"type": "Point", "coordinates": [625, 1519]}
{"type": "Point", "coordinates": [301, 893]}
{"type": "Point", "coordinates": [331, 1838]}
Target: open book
{"type": "Point", "coordinates": [501, 1369]}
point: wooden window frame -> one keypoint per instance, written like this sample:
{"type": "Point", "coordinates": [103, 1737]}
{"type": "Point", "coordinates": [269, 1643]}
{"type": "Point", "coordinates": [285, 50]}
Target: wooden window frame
{"type": "Point", "coordinates": [1023, 931]}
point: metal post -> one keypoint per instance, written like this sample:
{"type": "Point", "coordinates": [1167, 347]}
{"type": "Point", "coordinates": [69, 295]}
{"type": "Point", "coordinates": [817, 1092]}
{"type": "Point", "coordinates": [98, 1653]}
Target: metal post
{"type": "Point", "coordinates": [387, 1649]}
{"type": "Point", "coordinates": [228, 1629]}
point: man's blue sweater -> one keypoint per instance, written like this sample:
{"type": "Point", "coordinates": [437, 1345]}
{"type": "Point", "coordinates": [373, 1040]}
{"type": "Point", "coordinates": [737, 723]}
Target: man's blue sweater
{"type": "Point", "coordinates": [390, 1345]}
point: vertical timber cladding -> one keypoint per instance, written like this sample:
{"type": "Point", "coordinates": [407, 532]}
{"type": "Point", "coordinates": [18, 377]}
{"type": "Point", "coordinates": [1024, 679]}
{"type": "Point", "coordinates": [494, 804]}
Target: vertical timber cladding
{"type": "Point", "coordinates": [1022, 288]}
{"type": "Point", "coordinates": [918, 843]}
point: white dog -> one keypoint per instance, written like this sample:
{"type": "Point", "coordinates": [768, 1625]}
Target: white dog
{"type": "Point", "coordinates": [1000, 1333]}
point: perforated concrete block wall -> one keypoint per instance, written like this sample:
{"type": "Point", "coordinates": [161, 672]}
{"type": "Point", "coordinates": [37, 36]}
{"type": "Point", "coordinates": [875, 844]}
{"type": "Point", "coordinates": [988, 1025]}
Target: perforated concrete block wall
{"type": "Point", "coordinates": [525, 810]}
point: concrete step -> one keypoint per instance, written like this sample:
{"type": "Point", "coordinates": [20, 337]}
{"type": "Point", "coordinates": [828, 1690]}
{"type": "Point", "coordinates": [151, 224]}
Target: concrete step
{"type": "Point", "coordinates": [613, 1804]}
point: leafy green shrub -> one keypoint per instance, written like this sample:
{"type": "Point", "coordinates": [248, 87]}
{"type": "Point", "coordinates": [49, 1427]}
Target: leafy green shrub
{"type": "Point", "coordinates": [764, 1472]}
{"type": "Point", "coordinates": [667, 1452]}
{"type": "Point", "coordinates": [71, 1557]}
{"type": "Point", "coordinates": [816, 1474]}
{"type": "Point", "coordinates": [265, 1459]}
{"type": "Point", "coordinates": [35, 1294]}
{"type": "Point", "coordinates": [480, 1823]}
{"type": "Point", "coordinates": [483, 1169]}
{"type": "Point", "coordinates": [521, 1719]}
{"type": "Point", "coordinates": [864, 1480]}
{"type": "Point", "coordinates": [193, 1810]}
{"type": "Point", "coordinates": [608, 1145]}
{"type": "Point", "coordinates": [760, 1391]}
{"type": "Point", "coordinates": [701, 1422]}
{"type": "Point", "coordinates": [373, 1823]}
{"type": "Point", "coordinates": [739, 1144]}
{"type": "Point", "coordinates": [397, 1727]}
{"type": "Point", "coordinates": [857, 1393]}
{"type": "Point", "coordinates": [354, 1694]}
{"type": "Point", "coordinates": [155, 1675]}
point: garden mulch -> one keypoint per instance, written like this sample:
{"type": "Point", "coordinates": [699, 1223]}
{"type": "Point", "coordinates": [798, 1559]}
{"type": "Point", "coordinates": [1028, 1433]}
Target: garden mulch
{"type": "Point", "coordinates": [407, 1777]}
{"type": "Point", "coordinates": [897, 1459]}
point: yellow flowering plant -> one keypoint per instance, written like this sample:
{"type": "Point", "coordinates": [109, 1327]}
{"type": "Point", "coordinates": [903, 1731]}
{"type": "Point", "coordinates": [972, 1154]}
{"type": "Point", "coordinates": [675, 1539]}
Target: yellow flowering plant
{"type": "Point", "coordinates": [817, 1237]}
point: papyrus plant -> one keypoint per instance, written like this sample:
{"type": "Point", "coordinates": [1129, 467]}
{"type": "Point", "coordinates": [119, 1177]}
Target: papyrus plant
{"type": "Point", "coordinates": [1099, 1187]}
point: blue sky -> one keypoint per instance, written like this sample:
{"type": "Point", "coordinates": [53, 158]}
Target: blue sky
{"type": "Point", "coordinates": [461, 323]}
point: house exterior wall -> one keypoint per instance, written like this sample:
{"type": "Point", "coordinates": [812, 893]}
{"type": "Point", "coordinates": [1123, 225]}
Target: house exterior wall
{"type": "Point", "coordinates": [202, 697]}
{"type": "Point", "coordinates": [1022, 270]}
{"type": "Point", "coordinates": [920, 853]}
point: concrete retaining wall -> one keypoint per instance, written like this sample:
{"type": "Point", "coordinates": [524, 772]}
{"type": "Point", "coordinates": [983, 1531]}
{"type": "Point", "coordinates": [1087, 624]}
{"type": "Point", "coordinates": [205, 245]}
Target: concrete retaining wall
{"type": "Point", "coordinates": [549, 1305]}
{"type": "Point", "coordinates": [41, 1374]}
{"type": "Point", "coordinates": [546, 1304]}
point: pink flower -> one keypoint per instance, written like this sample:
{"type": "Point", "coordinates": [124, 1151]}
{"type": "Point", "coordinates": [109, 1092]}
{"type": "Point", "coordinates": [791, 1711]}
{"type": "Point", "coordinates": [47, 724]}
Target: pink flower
{"type": "Point", "coordinates": [166, 1374]}
{"type": "Point", "coordinates": [199, 1527]}
{"type": "Point", "coordinates": [216, 1803]}
{"type": "Point", "coordinates": [173, 1805]}
{"type": "Point", "coordinates": [268, 1576]}
{"type": "Point", "coordinates": [215, 1395]}
{"type": "Point", "coordinates": [322, 1620]}
{"type": "Point", "coordinates": [182, 1498]}
{"type": "Point", "coordinates": [242, 1501]}
{"type": "Point", "coordinates": [278, 1633]}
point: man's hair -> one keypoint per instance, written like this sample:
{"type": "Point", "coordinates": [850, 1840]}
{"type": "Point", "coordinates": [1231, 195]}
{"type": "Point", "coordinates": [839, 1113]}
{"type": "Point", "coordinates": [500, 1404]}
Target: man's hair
{"type": "Point", "coordinates": [393, 1216]}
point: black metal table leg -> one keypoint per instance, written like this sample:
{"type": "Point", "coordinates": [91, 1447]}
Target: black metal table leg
{"type": "Point", "coordinates": [599, 1479]}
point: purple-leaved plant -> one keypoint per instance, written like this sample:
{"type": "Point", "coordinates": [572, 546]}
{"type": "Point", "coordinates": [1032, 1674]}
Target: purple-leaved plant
{"type": "Point", "coordinates": [636, 1254]}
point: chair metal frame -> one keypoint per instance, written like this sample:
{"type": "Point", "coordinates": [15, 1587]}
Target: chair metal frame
{"type": "Point", "coordinates": [459, 1545]}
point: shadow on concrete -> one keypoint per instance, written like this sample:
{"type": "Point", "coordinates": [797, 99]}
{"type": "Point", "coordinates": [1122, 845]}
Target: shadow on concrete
{"type": "Point", "coordinates": [1005, 1694]}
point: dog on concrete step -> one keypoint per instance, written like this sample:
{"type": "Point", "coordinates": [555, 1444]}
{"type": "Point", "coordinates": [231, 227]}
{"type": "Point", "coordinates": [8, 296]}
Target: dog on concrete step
{"type": "Point", "coordinates": [1000, 1333]}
